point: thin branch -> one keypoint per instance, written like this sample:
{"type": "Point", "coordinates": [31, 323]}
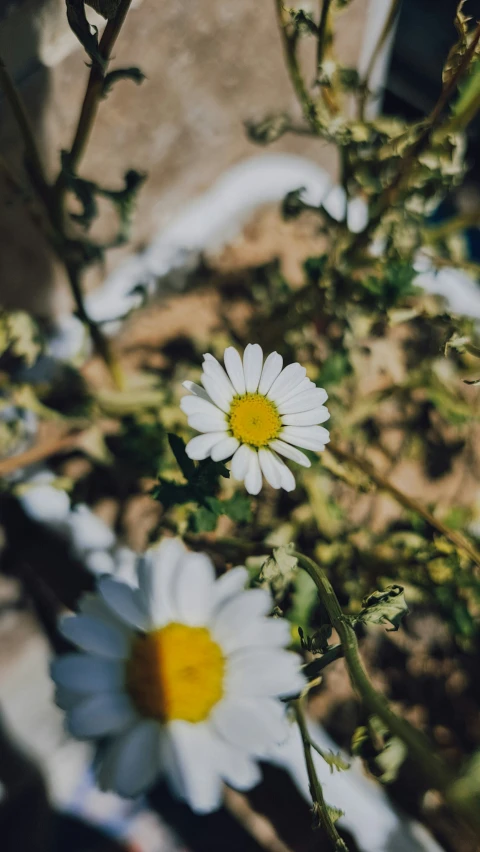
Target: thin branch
{"type": "Point", "coordinates": [40, 452]}
{"type": "Point", "coordinates": [32, 154]}
{"type": "Point", "coordinates": [387, 27]}
{"type": "Point", "coordinates": [323, 27]}
{"type": "Point", "coordinates": [320, 806]}
{"type": "Point", "coordinates": [405, 500]}
{"type": "Point", "coordinates": [289, 42]}
{"type": "Point", "coordinates": [435, 772]}
{"type": "Point", "coordinates": [93, 94]}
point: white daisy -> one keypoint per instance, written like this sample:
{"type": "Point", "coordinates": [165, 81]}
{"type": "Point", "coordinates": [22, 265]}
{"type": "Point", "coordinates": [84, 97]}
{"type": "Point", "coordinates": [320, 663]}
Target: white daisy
{"type": "Point", "coordinates": [256, 412]}
{"type": "Point", "coordinates": [181, 673]}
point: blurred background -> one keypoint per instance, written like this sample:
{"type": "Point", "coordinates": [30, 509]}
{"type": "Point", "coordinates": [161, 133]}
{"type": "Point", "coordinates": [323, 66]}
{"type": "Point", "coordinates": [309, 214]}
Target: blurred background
{"type": "Point", "coordinates": [211, 66]}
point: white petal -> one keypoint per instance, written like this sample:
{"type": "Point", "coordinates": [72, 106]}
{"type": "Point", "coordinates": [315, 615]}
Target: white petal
{"type": "Point", "coordinates": [236, 768]}
{"type": "Point", "coordinates": [84, 673]}
{"type": "Point", "coordinates": [307, 418]}
{"type": "Point", "coordinates": [194, 755]}
{"type": "Point", "coordinates": [252, 366]}
{"type": "Point", "coordinates": [215, 392]}
{"type": "Point", "coordinates": [264, 672]}
{"type": "Point", "coordinates": [240, 462]}
{"type": "Point", "coordinates": [252, 724]}
{"type": "Point", "coordinates": [302, 401]}
{"type": "Point", "coordinates": [224, 449]}
{"type": "Point", "coordinates": [287, 381]}
{"type": "Point", "coordinates": [290, 452]}
{"type": "Point", "coordinates": [296, 390]}
{"type": "Point", "coordinates": [66, 699]}
{"type": "Point", "coordinates": [215, 372]}
{"type": "Point", "coordinates": [308, 437]}
{"type": "Point", "coordinates": [271, 370]}
{"type": "Point", "coordinates": [282, 474]}
{"type": "Point", "coordinates": [193, 589]}
{"type": "Point", "coordinates": [95, 636]}
{"type": "Point", "coordinates": [213, 368]}
{"type": "Point", "coordinates": [260, 633]}
{"type": "Point", "coordinates": [269, 468]}
{"type": "Point", "coordinates": [201, 446]}
{"type": "Point", "coordinates": [253, 477]}
{"type": "Point", "coordinates": [229, 584]}
{"type": "Point", "coordinates": [196, 405]}
{"type": "Point", "coordinates": [157, 573]}
{"type": "Point", "coordinates": [124, 601]}
{"type": "Point", "coordinates": [237, 612]}
{"type": "Point", "coordinates": [131, 762]}
{"type": "Point", "coordinates": [88, 531]}
{"type": "Point", "coordinates": [234, 367]}
{"type": "Point", "coordinates": [101, 714]}
{"type": "Point", "coordinates": [208, 422]}
{"type": "Point", "coordinates": [197, 390]}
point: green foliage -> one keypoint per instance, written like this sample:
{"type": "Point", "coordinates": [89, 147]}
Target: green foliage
{"type": "Point", "coordinates": [85, 32]}
{"type": "Point", "coordinates": [202, 481]}
{"type": "Point", "coordinates": [384, 607]}
{"type": "Point", "coordinates": [384, 754]}
{"type": "Point", "coordinates": [135, 74]}
{"type": "Point", "coordinates": [19, 337]}
{"type": "Point", "coordinates": [385, 292]}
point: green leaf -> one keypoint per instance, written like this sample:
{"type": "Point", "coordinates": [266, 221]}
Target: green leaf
{"type": "Point", "coordinates": [238, 508]}
{"type": "Point", "coordinates": [335, 813]}
{"type": "Point", "coordinates": [279, 570]}
{"type": "Point", "coordinates": [202, 520]}
{"type": "Point", "coordinates": [106, 8]}
{"type": "Point", "coordinates": [85, 32]}
{"type": "Point", "coordinates": [186, 465]}
{"type": "Point", "coordinates": [133, 73]}
{"type": "Point", "coordinates": [20, 336]}
{"type": "Point", "coordinates": [384, 607]}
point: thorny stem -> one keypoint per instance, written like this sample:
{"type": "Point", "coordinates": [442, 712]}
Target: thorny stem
{"type": "Point", "coordinates": [316, 792]}
{"type": "Point", "coordinates": [432, 767]}
{"type": "Point", "coordinates": [405, 500]}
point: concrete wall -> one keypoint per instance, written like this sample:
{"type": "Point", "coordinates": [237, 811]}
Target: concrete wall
{"type": "Point", "coordinates": [210, 65]}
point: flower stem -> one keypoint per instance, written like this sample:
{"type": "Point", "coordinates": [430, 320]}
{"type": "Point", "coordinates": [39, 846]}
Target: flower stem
{"type": "Point", "coordinates": [407, 502]}
{"type": "Point", "coordinates": [435, 772]}
{"type": "Point", "coordinates": [320, 806]}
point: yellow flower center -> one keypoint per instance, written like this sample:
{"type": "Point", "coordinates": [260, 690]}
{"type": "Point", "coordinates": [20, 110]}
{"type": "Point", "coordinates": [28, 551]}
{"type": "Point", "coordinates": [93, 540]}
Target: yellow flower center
{"type": "Point", "coordinates": [175, 672]}
{"type": "Point", "coordinates": [254, 420]}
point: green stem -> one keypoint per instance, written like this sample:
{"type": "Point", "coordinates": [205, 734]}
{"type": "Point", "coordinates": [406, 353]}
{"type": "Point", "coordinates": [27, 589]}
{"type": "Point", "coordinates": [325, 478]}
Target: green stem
{"type": "Point", "coordinates": [316, 792]}
{"type": "Point", "coordinates": [323, 28]}
{"type": "Point", "coordinates": [290, 50]}
{"type": "Point", "coordinates": [94, 92]}
{"type": "Point", "coordinates": [435, 772]}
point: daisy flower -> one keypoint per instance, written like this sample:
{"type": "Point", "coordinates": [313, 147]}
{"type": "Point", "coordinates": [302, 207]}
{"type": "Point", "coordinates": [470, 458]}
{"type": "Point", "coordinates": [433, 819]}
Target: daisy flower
{"type": "Point", "coordinates": [180, 675]}
{"type": "Point", "coordinates": [255, 412]}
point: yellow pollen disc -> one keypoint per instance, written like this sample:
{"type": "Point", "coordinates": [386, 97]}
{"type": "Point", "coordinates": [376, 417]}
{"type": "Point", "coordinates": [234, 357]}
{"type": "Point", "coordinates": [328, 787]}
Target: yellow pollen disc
{"type": "Point", "coordinates": [254, 420]}
{"type": "Point", "coordinates": [175, 672]}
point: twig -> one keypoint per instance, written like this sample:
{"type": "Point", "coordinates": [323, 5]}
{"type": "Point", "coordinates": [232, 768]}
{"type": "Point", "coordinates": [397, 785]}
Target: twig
{"type": "Point", "coordinates": [323, 32]}
{"type": "Point", "coordinates": [32, 154]}
{"type": "Point", "coordinates": [405, 500]}
{"type": "Point", "coordinates": [93, 95]}
{"type": "Point", "coordinates": [290, 50]}
{"type": "Point", "coordinates": [389, 22]}
{"type": "Point", "coordinates": [434, 770]}
{"type": "Point", "coordinates": [319, 804]}
{"type": "Point", "coordinates": [39, 452]}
